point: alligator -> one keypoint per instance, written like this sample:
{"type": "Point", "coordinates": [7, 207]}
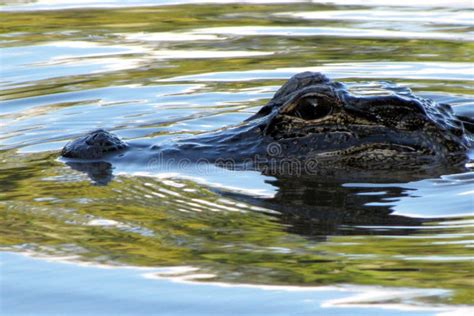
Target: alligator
{"type": "Point", "coordinates": [312, 123]}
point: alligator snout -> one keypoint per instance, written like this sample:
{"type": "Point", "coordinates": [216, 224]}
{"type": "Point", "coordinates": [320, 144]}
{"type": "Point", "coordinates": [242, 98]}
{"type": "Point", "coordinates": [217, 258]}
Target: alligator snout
{"type": "Point", "coordinates": [93, 145]}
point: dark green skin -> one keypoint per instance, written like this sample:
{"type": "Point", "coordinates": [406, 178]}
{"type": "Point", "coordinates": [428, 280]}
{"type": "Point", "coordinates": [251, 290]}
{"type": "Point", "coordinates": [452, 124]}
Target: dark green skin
{"type": "Point", "coordinates": [314, 121]}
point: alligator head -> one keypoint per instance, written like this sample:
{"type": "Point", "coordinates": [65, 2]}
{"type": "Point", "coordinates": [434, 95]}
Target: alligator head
{"type": "Point", "coordinates": [313, 118]}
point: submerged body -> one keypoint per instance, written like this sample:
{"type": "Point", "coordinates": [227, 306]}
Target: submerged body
{"type": "Point", "coordinates": [313, 121]}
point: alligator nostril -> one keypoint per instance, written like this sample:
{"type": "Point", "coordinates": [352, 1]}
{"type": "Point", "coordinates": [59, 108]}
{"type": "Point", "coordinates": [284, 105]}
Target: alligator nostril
{"type": "Point", "coordinates": [93, 145]}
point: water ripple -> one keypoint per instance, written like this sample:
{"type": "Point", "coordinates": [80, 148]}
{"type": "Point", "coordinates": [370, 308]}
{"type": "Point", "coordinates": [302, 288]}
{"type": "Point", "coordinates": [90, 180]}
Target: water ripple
{"type": "Point", "coordinates": [428, 17]}
{"type": "Point", "coordinates": [303, 31]}
{"type": "Point", "coordinates": [157, 71]}
{"type": "Point", "coordinates": [367, 70]}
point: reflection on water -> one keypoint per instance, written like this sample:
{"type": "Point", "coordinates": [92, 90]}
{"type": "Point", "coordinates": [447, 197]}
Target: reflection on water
{"type": "Point", "coordinates": [401, 15]}
{"type": "Point", "coordinates": [132, 287]}
{"type": "Point", "coordinates": [328, 31]}
{"type": "Point", "coordinates": [373, 70]}
{"type": "Point", "coordinates": [155, 73]}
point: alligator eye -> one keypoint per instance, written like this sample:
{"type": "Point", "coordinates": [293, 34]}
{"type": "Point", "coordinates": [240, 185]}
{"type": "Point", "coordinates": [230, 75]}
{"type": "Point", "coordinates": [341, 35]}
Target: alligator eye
{"type": "Point", "coordinates": [310, 108]}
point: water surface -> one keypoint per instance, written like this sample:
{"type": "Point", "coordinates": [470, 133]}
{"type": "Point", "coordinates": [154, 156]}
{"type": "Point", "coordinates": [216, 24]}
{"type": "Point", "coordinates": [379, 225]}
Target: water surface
{"type": "Point", "coordinates": [198, 241]}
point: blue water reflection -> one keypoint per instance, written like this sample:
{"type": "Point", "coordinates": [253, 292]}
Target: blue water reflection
{"type": "Point", "coordinates": [80, 290]}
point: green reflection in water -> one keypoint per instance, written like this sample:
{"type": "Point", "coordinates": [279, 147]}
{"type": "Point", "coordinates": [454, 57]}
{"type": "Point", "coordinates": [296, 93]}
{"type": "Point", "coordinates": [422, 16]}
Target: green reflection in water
{"type": "Point", "coordinates": [140, 221]}
{"type": "Point", "coordinates": [108, 27]}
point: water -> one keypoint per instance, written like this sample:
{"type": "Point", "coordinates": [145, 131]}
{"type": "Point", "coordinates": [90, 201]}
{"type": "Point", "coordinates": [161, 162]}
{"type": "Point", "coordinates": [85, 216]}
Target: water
{"type": "Point", "coordinates": [213, 241]}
